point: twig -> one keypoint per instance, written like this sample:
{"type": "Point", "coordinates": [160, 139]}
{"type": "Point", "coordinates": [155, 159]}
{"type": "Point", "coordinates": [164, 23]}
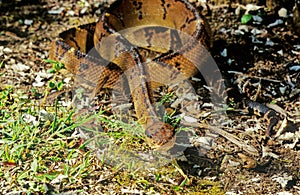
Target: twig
{"type": "Point", "coordinates": [234, 139]}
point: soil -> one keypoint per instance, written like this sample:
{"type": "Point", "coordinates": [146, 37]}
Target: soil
{"type": "Point", "coordinates": [262, 57]}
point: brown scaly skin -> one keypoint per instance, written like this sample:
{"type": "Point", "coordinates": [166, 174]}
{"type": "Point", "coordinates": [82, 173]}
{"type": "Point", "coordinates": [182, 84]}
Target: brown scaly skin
{"type": "Point", "coordinates": [153, 25]}
{"type": "Point", "coordinates": [130, 33]}
{"type": "Point", "coordinates": [158, 17]}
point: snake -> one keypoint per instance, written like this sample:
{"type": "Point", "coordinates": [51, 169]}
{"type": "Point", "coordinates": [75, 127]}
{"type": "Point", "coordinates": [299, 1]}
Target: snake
{"type": "Point", "coordinates": [152, 43]}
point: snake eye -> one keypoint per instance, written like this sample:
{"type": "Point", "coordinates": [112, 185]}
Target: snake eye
{"type": "Point", "coordinates": [148, 134]}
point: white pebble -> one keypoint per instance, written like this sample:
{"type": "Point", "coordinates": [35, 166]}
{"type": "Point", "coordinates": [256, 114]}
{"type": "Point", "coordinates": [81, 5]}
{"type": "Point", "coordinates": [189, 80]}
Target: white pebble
{"type": "Point", "coordinates": [38, 84]}
{"type": "Point", "coordinates": [19, 67]}
{"type": "Point", "coordinates": [257, 18]}
{"type": "Point", "coordinates": [70, 13]}
{"type": "Point", "coordinates": [83, 10]}
{"type": "Point", "coordinates": [223, 30]}
{"type": "Point", "coordinates": [229, 61]}
{"type": "Point", "coordinates": [56, 11]}
{"type": "Point", "coordinates": [252, 7]}
{"type": "Point", "coordinates": [283, 13]}
{"type": "Point", "coordinates": [28, 22]}
{"type": "Point", "coordinates": [277, 22]}
{"type": "Point", "coordinates": [7, 50]}
{"type": "Point", "coordinates": [244, 28]}
{"type": "Point", "coordinates": [295, 46]}
{"type": "Point", "coordinates": [269, 42]}
{"type": "Point", "coordinates": [280, 52]}
{"type": "Point", "coordinates": [12, 61]}
{"type": "Point", "coordinates": [295, 68]}
{"type": "Point", "coordinates": [237, 11]}
{"type": "Point", "coordinates": [224, 53]}
{"type": "Point", "coordinates": [283, 179]}
{"type": "Point", "coordinates": [207, 105]}
{"type": "Point", "coordinates": [190, 119]}
{"type": "Point", "coordinates": [282, 90]}
{"type": "Point", "coordinates": [256, 41]}
{"type": "Point", "coordinates": [30, 119]}
{"type": "Point", "coordinates": [256, 31]}
{"type": "Point", "coordinates": [239, 32]}
{"type": "Point", "coordinates": [284, 193]}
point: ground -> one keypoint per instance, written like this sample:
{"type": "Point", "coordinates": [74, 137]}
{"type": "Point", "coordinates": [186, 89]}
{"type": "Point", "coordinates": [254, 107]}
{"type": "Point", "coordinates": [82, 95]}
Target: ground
{"type": "Point", "coordinates": [40, 154]}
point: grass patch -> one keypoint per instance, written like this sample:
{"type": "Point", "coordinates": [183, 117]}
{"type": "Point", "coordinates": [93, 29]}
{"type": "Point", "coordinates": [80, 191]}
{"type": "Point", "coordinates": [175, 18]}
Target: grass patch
{"type": "Point", "coordinates": [35, 145]}
{"type": "Point", "coordinates": [40, 153]}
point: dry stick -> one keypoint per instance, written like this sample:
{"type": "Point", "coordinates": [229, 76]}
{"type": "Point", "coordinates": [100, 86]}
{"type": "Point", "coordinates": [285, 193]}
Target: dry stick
{"type": "Point", "coordinates": [254, 77]}
{"type": "Point", "coordinates": [234, 139]}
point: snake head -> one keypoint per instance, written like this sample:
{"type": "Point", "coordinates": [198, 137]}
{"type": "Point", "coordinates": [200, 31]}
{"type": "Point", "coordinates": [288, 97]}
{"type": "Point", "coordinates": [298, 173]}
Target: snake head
{"type": "Point", "coordinates": [160, 135]}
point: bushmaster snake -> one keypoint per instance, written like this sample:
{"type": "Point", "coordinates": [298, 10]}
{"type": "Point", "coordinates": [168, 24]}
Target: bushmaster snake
{"type": "Point", "coordinates": [153, 43]}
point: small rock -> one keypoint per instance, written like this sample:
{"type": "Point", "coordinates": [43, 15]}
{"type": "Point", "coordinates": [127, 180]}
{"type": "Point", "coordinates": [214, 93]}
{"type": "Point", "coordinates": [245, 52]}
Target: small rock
{"type": "Point", "coordinates": [28, 22]}
{"type": "Point", "coordinates": [224, 53]}
{"type": "Point", "coordinates": [83, 10]}
{"type": "Point", "coordinates": [196, 79]}
{"type": "Point", "coordinates": [38, 78]}
{"type": "Point", "coordinates": [44, 74]}
{"type": "Point", "coordinates": [282, 90]}
{"type": "Point", "coordinates": [24, 47]}
{"type": "Point", "coordinates": [276, 23]}
{"type": "Point", "coordinates": [38, 84]}
{"type": "Point", "coordinates": [223, 30]}
{"type": "Point", "coordinates": [283, 13]}
{"type": "Point", "coordinates": [295, 68]}
{"type": "Point", "coordinates": [97, 4]}
{"type": "Point", "coordinates": [56, 11]}
{"type": "Point", "coordinates": [237, 11]}
{"type": "Point", "coordinates": [284, 193]}
{"type": "Point", "coordinates": [70, 13]}
{"type": "Point", "coordinates": [67, 80]}
{"type": "Point", "coordinates": [295, 52]}
{"type": "Point", "coordinates": [207, 105]}
{"type": "Point", "coordinates": [98, 12]}
{"type": "Point", "coordinates": [295, 46]}
{"type": "Point", "coordinates": [255, 40]}
{"type": "Point", "coordinates": [239, 32]}
{"type": "Point", "coordinates": [12, 61]}
{"type": "Point", "coordinates": [30, 119]}
{"type": "Point", "coordinates": [287, 136]}
{"type": "Point", "coordinates": [257, 18]}
{"type": "Point", "coordinates": [31, 63]}
{"type": "Point", "coordinates": [190, 119]}
{"type": "Point", "coordinates": [205, 142]}
{"type": "Point", "coordinates": [7, 50]}
{"type": "Point", "coordinates": [58, 179]}
{"type": "Point", "coordinates": [256, 179]}
{"type": "Point", "coordinates": [252, 7]}
{"type": "Point", "coordinates": [256, 31]}
{"type": "Point", "coordinates": [280, 52]}
{"type": "Point", "coordinates": [269, 42]}
{"type": "Point", "coordinates": [283, 179]}
{"type": "Point", "coordinates": [44, 115]}
{"type": "Point", "coordinates": [229, 61]}
{"type": "Point", "coordinates": [243, 28]}
{"type": "Point", "coordinates": [19, 67]}
{"type": "Point", "coordinates": [44, 26]}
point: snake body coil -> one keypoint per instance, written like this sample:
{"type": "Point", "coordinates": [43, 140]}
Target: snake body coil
{"type": "Point", "coordinates": [153, 43]}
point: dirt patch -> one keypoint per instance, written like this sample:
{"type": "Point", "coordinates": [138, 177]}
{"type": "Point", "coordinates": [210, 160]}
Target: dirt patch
{"type": "Point", "coordinates": [261, 57]}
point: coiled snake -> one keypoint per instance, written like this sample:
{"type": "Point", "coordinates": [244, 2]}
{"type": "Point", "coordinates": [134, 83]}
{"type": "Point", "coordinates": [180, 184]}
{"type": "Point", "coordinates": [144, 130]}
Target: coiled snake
{"type": "Point", "coordinates": [152, 42]}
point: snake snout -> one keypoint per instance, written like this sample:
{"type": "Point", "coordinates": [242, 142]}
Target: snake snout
{"type": "Point", "coordinates": [159, 133]}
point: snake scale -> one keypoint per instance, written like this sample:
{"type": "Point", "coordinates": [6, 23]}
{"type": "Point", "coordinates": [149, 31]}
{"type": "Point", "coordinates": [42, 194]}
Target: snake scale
{"type": "Point", "coordinates": [151, 42]}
